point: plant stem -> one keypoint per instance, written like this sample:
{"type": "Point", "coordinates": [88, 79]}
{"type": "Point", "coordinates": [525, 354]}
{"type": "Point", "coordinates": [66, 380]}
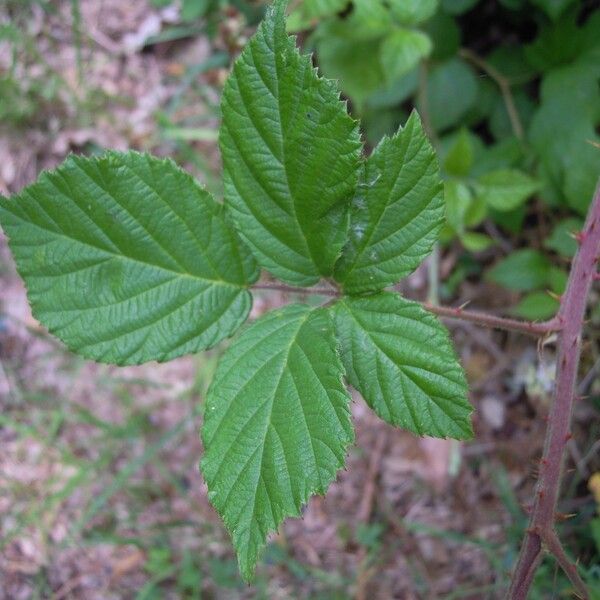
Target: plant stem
{"type": "Point", "coordinates": [504, 85]}
{"type": "Point", "coordinates": [541, 532]}
{"type": "Point", "coordinates": [483, 319]}
{"type": "Point", "coordinates": [494, 322]}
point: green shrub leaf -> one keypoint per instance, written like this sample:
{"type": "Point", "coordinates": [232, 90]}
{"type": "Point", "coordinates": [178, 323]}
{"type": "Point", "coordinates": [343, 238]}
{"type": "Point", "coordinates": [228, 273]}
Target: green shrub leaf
{"type": "Point", "coordinates": [401, 51]}
{"type": "Point", "coordinates": [459, 160]}
{"type": "Point", "coordinates": [290, 155]}
{"type": "Point", "coordinates": [506, 189]}
{"type": "Point", "coordinates": [562, 239]}
{"type": "Point", "coordinates": [452, 90]}
{"type": "Point", "coordinates": [522, 270]}
{"type": "Point", "coordinates": [277, 424]}
{"type": "Point", "coordinates": [400, 358]}
{"type": "Point", "coordinates": [411, 12]}
{"type": "Point", "coordinates": [397, 213]}
{"type": "Point", "coordinates": [536, 305]}
{"type": "Point", "coordinates": [127, 259]}
{"type": "Point", "coordinates": [310, 11]}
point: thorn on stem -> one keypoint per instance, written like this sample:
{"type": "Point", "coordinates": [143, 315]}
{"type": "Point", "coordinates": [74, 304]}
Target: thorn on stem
{"type": "Point", "coordinates": [557, 297]}
{"type": "Point", "coordinates": [568, 437]}
{"type": "Point", "coordinates": [578, 236]}
{"type": "Point", "coordinates": [559, 517]}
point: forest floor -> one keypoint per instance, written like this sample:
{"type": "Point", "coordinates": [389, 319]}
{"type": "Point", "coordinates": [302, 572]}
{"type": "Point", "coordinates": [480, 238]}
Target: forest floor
{"type": "Point", "coordinates": [100, 492]}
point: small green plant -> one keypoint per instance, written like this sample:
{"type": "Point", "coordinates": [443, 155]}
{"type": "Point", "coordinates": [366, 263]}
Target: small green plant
{"type": "Point", "coordinates": [127, 260]}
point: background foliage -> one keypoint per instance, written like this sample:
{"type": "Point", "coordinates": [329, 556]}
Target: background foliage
{"type": "Point", "coordinates": [509, 91]}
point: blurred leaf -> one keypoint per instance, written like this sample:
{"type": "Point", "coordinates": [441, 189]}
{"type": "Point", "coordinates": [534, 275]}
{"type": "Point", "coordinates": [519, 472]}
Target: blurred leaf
{"type": "Point", "coordinates": [308, 12]}
{"type": "Point", "coordinates": [445, 35]}
{"type": "Point", "coordinates": [487, 98]}
{"type": "Point", "coordinates": [553, 8]}
{"type": "Point", "coordinates": [502, 155]}
{"type": "Point", "coordinates": [536, 306]}
{"type": "Point", "coordinates": [381, 121]}
{"type": "Point", "coordinates": [457, 7]}
{"type": "Point", "coordinates": [557, 280]}
{"type": "Point", "coordinates": [476, 242]}
{"type": "Point", "coordinates": [511, 221]}
{"type": "Point", "coordinates": [595, 527]}
{"type": "Point", "coordinates": [563, 127]}
{"type": "Point", "coordinates": [355, 63]}
{"type": "Point", "coordinates": [411, 12]}
{"type": "Point", "coordinates": [476, 212]}
{"type": "Point", "coordinates": [500, 124]}
{"type": "Point", "coordinates": [458, 199]}
{"type": "Point", "coordinates": [459, 159]}
{"type": "Point", "coordinates": [561, 239]}
{"type": "Point", "coordinates": [506, 189]}
{"type": "Point", "coordinates": [369, 19]}
{"type": "Point", "coordinates": [451, 92]}
{"type": "Point", "coordinates": [401, 51]}
{"type": "Point", "coordinates": [513, 4]}
{"type": "Point", "coordinates": [523, 270]}
{"type": "Point", "coordinates": [512, 63]}
{"type": "Point", "coordinates": [194, 9]}
{"type": "Point", "coordinates": [398, 91]}
{"type": "Point", "coordinates": [556, 44]}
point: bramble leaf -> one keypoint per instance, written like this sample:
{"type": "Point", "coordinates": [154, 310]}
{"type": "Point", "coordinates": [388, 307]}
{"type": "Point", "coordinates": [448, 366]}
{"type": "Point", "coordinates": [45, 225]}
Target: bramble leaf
{"type": "Point", "coordinates": [452, 91]}
{"type": "Point", "coordinates": [562, 239]}
{"type": "Point", "coordinates": [522, 270]}
{"type": "Point", "coordinates": [397, 212]}
{"type": "Point", "coordinates": [127, 259]}
{"type": "Point", "coordinates": [400, 358]}
{"type": "Point", "coordinates": [460, 156]}
{"type": "Point", "coordinates": [506, 189]}
{"type": "Point", "coordinates": [536, 305]}
{"type": "Point", "coordinates": [310, 11]}
{"type": "Point", "coordinates": [401, 51]}
{"type": "Point", "coordinates": [277, 424]}
{"type": "Point", "coordinates": [411, 12]}
{"type": "Point", "coordinates": [290, 155]}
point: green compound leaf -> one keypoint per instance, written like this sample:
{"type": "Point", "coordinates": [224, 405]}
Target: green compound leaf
{"type": "Point", "coordinates": [127, 259]}
{"type": "Point", "coordinates": [277, 424]}
{"type": "Point", "coordinates": [400, 358]}
{"type": "Point", "coordinates": [290, 154]}
{"type": "Point", "coordinates": [397, 212]}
